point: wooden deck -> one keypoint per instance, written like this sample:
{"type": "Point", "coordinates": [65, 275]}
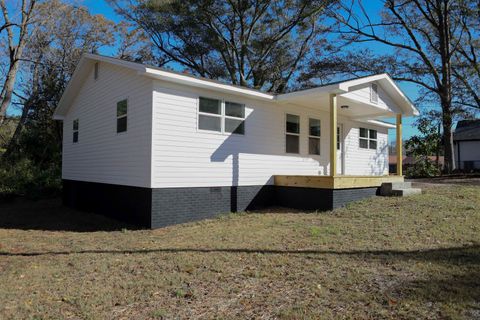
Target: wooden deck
{"type": "Point", "coordinates": [336, 182]}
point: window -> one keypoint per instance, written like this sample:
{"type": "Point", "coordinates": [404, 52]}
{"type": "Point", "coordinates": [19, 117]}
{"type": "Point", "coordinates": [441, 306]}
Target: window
{"type": "Point", "coordinates": [234, 117]}
{"type": "Point", "coordinates": [292, 131]}
{"type": "Point", "coordinates": [75, 131]}
{"type": "Point", "coordinates": [122, 109]}
{"type": "Point", "coordinates": [368, 138]}
{"type": "Point", "coordinates": [221, 116]}
{"type": "Point", "coordinates": [374, 93]}
{"type": "Point", "coordinates": [314, 136]}
{"type": "Point", "coordinates": [95, 71]}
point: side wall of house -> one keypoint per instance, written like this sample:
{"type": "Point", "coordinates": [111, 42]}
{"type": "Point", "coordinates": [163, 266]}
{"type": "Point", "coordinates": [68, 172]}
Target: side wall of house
{"type": "Point", "coordinates": [469, 152]}
{"type": "Point", "coordinates": [101, 154]}
{"type": "Point", "coordinates": [186, 157]}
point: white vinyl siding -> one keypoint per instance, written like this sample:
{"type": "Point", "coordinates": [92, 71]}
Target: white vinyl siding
{"type": "Point", "coordinates": [102, 155]}
{"type": "Point", "coordinates": [363, 94]}
{"type": "Point", "coordinates": [186, 157]}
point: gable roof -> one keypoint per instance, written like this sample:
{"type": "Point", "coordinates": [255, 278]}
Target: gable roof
{"type": "Point", "coordinates": [87, 61]}
{"type": "Point", "coordinates": [467, 130]}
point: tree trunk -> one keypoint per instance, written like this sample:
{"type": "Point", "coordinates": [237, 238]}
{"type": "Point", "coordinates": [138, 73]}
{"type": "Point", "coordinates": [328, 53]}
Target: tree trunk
{"type": "Point", "coordinates": [448, 139]}
{"type": "Point", "coordinates": [13, 144]}
{"type": "Point", "coordinates": [8, 89]}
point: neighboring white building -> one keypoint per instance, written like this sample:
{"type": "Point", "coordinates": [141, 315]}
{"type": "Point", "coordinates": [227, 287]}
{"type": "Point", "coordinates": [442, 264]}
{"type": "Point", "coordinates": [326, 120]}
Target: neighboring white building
{"type": "Point", "coordinates": [158, 147]}
{"type": "Point", "coordinates": [467, 144]}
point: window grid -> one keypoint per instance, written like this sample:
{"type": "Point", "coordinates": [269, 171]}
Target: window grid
{"type": "Point", "coordinates": [222, 116]}
{"type": "Point", "coordinates": [122, 120]}
{"type": "Point", "coordinates": [314, 139]}
{"type": "Point", "coordinates": [75, 130]}
{"type": "Point", "coordinates": [288, 134]}
{"type": "Point", "coordinates": [368, 139]}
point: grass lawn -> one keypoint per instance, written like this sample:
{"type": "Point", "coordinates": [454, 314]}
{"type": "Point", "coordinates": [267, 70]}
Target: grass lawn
{"type": "Point", "coordinates": [398, 258]}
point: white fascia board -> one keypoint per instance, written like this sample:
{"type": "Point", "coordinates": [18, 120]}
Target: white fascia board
{"type": "Point", "coordinates": [382, 124]}
{"type": "Point", "coordinates": [192, 81]}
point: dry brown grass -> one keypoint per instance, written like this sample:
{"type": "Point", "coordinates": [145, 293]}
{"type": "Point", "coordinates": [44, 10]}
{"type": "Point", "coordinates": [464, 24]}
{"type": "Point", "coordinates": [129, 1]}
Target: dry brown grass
{"type": "Point", "coordinates": [395, 258]}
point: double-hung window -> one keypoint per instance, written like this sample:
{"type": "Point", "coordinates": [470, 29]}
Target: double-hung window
{"type": "Point", "coordinates": [314, 136]}
{"type": "Point", "coordinates": [368, 138]}
{"type": "Point", "coordinates": [122, 109]}
{"type": "Point", "coordinates": [221, 116]}
{"type": "Point", "coordinates": [292, 134]}
{"type": "Point", "coordinates": [75, 131]}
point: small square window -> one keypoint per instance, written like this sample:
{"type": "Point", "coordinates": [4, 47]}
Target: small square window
{"type": "Point", "coordinates": [121, 124]}
{"type": "Point", "coordinates": [293, 123]}
{"type": "Point", "coordinates": [373, 144]}
{"type": "Point", "coordinates": [209, 123]}
{"type": "Point", "coordinates": [292, 144]}
{"type": "Point", "coordinates": [233, 109]}
{"type": "Point", "coordinates": [122, 111]}
{"type": "Point", "coordinates": [235, 126]}
{"type": "Point", "coordinates": [212, 106]}
{"type": "Point", "coordinates": [75, 130]}
{"type": "Point", "coordinates": [364, 143]}
{"type": "Point", "coordinates": [363, 133]}
{"type": "Point", "coordinates": [314, 146]}
{"type": "Point", "coordinates": [75, 136]}
{"type": "Point", "coordinates": [314, 125]}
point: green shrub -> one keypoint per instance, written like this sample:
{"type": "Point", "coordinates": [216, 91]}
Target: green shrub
{"type": "Point", "coordinates": [423, 168]}
{"type": "Point", "coordinates": [25, 179]}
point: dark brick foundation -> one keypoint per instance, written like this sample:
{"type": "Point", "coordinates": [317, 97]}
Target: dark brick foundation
{"type": "Point", "coordinates": [179, 205]}
{"type": "Point", "coordinates": [155, 208]}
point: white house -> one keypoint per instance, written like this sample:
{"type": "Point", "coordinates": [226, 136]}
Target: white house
{"type": "Point", "coordinates": [467, 144]}
{"type": "Point", "coordinates": [156, 147]}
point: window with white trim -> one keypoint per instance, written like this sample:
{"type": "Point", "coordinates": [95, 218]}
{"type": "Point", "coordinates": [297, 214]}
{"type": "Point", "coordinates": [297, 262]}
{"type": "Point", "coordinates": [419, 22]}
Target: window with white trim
{"type": "Point", "coordinates": [122, 110]}
{"type": "Point", "coordinates": [292, 133]}
{"type": "Point", "coordinates": [368, 138]}
{"type": "Point", "coordinates": [314, 132]}
{"type": "Point", "coordinates": [221, 116]}
{"type": "Point", "coordinates": [374, 93]}
{"type": "Point", "coordinates": [75, 130]}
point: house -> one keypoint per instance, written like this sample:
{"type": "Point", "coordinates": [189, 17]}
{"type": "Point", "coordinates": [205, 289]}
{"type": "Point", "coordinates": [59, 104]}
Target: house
{"type": "Point", "coordinates": [466, 139]}
{"type": "Point", "coordinates": [156, 147]}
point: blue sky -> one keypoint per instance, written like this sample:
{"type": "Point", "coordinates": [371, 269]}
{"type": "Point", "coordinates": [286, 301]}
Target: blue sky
{"type": "Point", "coordinates": [371, 6]}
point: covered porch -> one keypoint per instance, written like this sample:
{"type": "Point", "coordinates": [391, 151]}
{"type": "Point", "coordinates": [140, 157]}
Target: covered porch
{"type": "Point", "coordinates": [363, 100]}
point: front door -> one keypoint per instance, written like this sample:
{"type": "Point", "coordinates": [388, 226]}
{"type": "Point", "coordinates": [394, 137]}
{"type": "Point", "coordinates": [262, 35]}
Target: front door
{"type": "Point", "coordinates": [340, 163]}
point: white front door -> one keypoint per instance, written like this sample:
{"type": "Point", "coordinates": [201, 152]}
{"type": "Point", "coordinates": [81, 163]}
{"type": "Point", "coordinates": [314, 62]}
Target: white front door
{"type": "Point", "coordinates": [340, 149]}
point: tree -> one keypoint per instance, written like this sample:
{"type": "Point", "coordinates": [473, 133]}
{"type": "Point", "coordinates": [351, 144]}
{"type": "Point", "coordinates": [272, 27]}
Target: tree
{"type": "Point", "coordinates": [256, 43]}
{"type": "Point", "coordinates": [422, 147]}
{"type": "Point", "coordinates": [466, 61]}
{"type": "Point", "coordinates": [51, 55]}
{"type": "Point", "coordinates": [425, 36]}
{"type": "Point", "coordinates": [17, 35]}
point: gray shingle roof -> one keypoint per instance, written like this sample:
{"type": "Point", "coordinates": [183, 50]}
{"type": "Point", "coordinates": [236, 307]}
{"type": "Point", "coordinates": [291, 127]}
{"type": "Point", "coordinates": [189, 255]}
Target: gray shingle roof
{"type": "Point", "coordinates": [467, 130]}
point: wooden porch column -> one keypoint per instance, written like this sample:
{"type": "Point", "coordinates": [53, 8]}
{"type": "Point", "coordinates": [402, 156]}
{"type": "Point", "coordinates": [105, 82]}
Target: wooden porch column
{"type": "Point", "coordinates": [399, 146]}
{"type": "Point", "coordinates": [333, 135]}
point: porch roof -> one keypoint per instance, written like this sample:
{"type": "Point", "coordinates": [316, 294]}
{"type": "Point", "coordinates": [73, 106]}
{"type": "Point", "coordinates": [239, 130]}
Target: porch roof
{"type": "Point", "coordinates": [351, 104]}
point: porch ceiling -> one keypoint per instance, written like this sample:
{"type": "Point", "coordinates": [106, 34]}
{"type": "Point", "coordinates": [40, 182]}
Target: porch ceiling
{"type": "Point", "coordinates": [356, 109]}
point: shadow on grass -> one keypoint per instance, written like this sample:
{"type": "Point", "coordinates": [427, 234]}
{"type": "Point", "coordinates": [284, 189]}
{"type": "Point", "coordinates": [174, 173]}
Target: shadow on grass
{"type": "Point", "coordinates": [50, 215]}
{"type": "Point", "coordinates": [456, 255]}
